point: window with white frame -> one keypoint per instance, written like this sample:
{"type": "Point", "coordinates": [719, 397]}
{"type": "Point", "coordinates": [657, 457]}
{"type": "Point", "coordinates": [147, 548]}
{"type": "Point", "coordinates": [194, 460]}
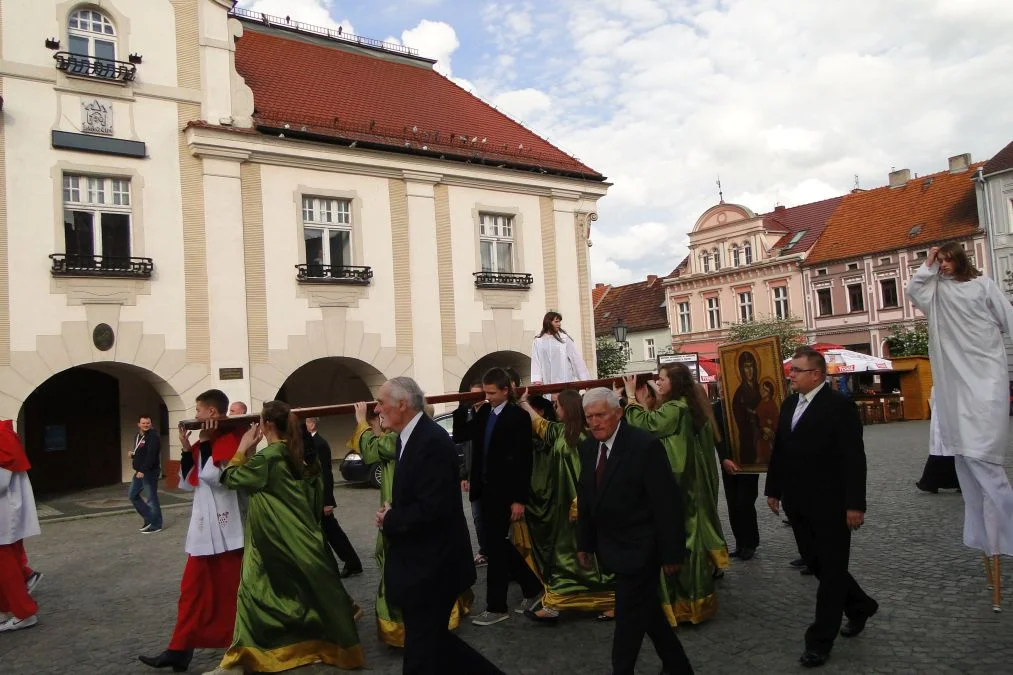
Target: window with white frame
{"type": "Point", "coordinates": [90, 33]}
{"type": "Point", "coordinates": [327, 233]}
{"type": "Point", "coordinates": [717, 259]}
{"type": "Point", "coordinates": [856, 297]}
{"type": "Point", "coordinates": [888, 290]}
{"type": "Point", "coordinates": [705, 258]}
{"type": "Point", "coordinates": [96, 220]}
{"type": "Point", "coordinates": [745, 306]}
{"type": "Point", "coordinates": [684, 322]}
{"type": "Point", "coordinates": [825, 302]}
{"type": "Point", "coordinates": [747, 252]}
{"type": "Point", "coordinates": [781, 302]}
{"type": "Point", "coordinates": [713, 313]}
{"type": "Point", "coordinates": [650, 353]}
{"type": "Point", "coordinates": [852, 266]}
{"type": "Point", "coordinates": [627, 351]}
{"type": "Point", "coordinates": [735, 256]}
{"type": "Point", "coordinates": [496, 242]}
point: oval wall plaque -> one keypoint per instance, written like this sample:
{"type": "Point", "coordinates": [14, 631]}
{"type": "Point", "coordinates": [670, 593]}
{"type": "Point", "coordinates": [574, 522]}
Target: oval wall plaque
{"type": "Point", "coordinates": [103, 337]}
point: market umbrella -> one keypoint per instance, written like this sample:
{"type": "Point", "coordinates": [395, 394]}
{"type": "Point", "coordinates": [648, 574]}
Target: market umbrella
{"type": "Point", "coordinates": [844, 362]}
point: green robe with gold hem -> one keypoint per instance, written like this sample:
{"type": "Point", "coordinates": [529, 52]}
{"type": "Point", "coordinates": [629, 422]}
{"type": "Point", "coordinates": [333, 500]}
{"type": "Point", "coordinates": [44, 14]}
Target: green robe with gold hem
{"type": "Point", "coordinates": [547, 537]}
{"type": "Point", "coordinates": [389, 624]}
{"type": "Point", "coordinates": [291, 608]}
{"type": "Point", "coordinates": [689, 596]}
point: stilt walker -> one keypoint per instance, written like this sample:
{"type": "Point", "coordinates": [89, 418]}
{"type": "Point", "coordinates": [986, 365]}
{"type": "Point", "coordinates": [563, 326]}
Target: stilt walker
{"type": "Point", "coordinates": [18, 520]}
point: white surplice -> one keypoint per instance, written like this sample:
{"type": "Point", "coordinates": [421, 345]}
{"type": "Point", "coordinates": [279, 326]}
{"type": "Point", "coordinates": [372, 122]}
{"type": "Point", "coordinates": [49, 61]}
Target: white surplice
{"type": "Point", "coordinates": [966, 321]}
{"type": "Point", "coordinates": [216, 525]}
{"type": "Point", "coordinates": [554, 361]}
{"type": "Point", "coordinates": [18, 517]}
{"type": "Point", "coordinates": [935, 447]}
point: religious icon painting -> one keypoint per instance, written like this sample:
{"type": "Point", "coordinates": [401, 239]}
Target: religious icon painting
{"type": "Point", "coordinates": [752, 390]}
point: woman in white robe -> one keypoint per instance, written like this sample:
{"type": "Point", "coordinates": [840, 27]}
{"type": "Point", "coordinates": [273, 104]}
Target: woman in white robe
{"type": "Point", "coordinates": [967, 314]}
{"type": "Point", "coordinates": [554, 355]}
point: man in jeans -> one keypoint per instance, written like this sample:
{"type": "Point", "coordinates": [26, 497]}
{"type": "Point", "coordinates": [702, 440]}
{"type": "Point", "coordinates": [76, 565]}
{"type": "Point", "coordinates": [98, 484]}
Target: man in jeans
{"type": "Point", "coordinates": [147, 456]}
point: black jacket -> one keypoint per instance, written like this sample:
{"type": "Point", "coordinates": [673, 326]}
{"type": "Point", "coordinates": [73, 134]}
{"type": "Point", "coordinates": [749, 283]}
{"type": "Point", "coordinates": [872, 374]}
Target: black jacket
{"type": "Point", "coordinates": [637, 520]}
{"type": "Point", "coordinates": [429, 548]}
{"type": "Point", "coordinates": [508, 474]}
{"type": "Point", "coordinates": [322, 450]}
{"type": "Point", "coordinates": [819, 467]}
{"type": "Point", "coordinates": [148, 454]}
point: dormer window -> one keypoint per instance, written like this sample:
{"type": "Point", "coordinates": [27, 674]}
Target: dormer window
{"type": "Point", "coordinates": [735, 256]}
{"type": "Point", "coordinates": [92, 48]}
{"type": "Point", "coordinates": [705, 259]}
{"type": "Point", "coordinates": [747, 252]}
{"type": "Point", "coordinates": [717, 259]}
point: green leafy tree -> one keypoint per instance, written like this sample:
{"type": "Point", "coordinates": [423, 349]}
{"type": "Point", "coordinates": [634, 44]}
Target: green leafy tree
{"type": "Point", "coordinates": [611, 357]}
{"type": "Point", "coordinates": [789, 330]}
{"type": "Point", "coordinates": [909, 340]}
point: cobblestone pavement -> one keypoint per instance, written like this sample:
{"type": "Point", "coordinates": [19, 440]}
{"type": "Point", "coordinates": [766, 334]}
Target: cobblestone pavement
{"type": "Point", "coordinates": [110, 594]}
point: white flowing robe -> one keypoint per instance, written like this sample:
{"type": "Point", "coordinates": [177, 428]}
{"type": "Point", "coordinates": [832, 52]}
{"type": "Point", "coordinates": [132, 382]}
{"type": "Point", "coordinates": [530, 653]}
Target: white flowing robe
{"type": "Point", "coordinates": [969, 372]}
{"type": "Point", "coordinates": [554, 361]}
{"type": "Point", "coordinates": [216, 525]}
{"type": "Point", "coordinates": [18, 517]}
{"type": "Point", "coordinates": [935, 448]}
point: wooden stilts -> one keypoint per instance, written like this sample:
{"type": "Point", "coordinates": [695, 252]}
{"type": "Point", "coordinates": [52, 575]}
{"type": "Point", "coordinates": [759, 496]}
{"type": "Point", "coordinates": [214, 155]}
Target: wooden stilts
{"type": "Point", "coordinates": [988, 570]}
{"type": "Point", "coordinates": [996, 585]}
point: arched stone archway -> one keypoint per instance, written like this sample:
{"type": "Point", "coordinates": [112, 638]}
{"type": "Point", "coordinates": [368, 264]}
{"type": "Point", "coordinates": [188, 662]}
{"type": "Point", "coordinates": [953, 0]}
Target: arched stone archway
{"type": "Point", "coordinates": [79, 424]}
{"type": "Point", "coordinates": [500, 359]}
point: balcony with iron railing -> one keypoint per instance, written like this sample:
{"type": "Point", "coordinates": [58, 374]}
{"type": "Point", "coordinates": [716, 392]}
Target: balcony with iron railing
{"type": "Point", "coordinates": [333, 274]}
{"type": "Point", "coordinates": [72, 265]}
{"type": "Point", "coordinates": [503, 280]}
{"type": "Point", "coordinates": [82, 65]}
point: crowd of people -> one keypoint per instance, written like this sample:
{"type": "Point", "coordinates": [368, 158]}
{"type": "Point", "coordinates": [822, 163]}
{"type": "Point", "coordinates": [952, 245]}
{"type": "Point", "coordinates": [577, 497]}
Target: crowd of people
{"type": "Point", "coordinates": [603, 502]}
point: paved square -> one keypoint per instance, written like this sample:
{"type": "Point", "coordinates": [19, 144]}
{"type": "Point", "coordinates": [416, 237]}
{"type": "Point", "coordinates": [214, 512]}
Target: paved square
{"type": "Point", "coordinates": [110, 594]}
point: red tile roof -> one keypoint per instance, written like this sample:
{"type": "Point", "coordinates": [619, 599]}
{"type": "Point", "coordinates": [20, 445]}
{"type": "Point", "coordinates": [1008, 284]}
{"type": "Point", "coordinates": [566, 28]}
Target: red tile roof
{"type": "Point", "coordinates": [598, 292]}
{"type": "Point", "coordinates": [1003, 161]}
{"type": "Point", "coordinates": [680, 268]}
{"type": "Point", "coordinates": [641, 306]}
{"type": "Point", "coordinates": [810, 218]}
{"type": "Point", "coordinates": [924, 210]}
{"type": "Point", "coordinates": [326, 90]}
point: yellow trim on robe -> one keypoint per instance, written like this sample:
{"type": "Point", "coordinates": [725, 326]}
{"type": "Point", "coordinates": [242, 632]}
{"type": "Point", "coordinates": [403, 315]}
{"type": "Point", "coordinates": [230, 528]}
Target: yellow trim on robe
{"type": "Point", "coordinates": [694, 611]}
{"type": "Point", "coordinates": [239, 459]}
{"type": "Point", "coordinates": [353, 442]}
{"type": "Point", "coordinates": [719, 557]}
{"type": "Point", "coordinates": [392, 633]}
{"type": "Point", "coordinates": [293, 656]}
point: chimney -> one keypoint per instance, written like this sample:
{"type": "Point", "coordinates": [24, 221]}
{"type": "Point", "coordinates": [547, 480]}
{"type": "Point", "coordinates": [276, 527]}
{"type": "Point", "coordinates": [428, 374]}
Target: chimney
{"type": "Point", "coordinates": [651, 278]}
{"type": "Point", "coordinates": [960, 163]}
{"type": "Point", "coordinates": [900, 177]}
{"type": "Point", "coordinates": [599, 285]}
{"type": "Point", "coordinates": [779, 207]}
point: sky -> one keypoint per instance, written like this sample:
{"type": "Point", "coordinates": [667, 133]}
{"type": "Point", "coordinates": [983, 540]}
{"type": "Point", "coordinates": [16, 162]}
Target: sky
{"type": "Point", "coordinates": [786, 101]}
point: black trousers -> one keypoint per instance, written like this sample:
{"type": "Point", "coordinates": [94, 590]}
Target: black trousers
{"type": "Point", "coordinates": [505, 562]}
{"type": "Point", "coordinates": [638, 612]}
{"type": "Point", "coordinates": [338, 540]}
{"type": "Point", "coordinates": [740, 493]}
{"type": "Point", "coordinates": [940, 473]}
{"type": "Point", "coordinates": [826, 547]}
{"type": "Point", "coordinates": [430, 648]}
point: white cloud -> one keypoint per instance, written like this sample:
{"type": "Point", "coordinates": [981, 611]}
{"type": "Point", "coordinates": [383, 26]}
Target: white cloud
{"type": "Point", "coordinates": [313, 12]}
{"type": "Point", "coordinates": [434, 40]}
{"type": "Point", "coordinates": [787, 102]}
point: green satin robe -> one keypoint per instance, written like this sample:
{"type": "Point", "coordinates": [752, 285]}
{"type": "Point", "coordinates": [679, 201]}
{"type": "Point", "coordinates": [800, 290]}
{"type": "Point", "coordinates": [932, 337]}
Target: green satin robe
{"type": "Point", "coordinates": [690, 595]}
{"type": "Point", "coordinates": [291, 608]}
{"type": "Point", "coordinates": [547, 538]}
{"type": "Point", "coordinates": [389, 624]}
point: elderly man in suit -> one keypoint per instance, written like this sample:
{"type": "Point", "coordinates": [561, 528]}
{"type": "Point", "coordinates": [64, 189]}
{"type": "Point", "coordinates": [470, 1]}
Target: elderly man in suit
{"type": "Point", "coordinates": [818, 468]}
{"type": "Point", "coordinates": [429, 557]}
{"type": "Point", "coordinates": [631, 516]}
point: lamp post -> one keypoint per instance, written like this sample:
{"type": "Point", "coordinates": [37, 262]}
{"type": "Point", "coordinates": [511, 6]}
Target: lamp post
{"type": "Point", "coordinates": [619, 332]}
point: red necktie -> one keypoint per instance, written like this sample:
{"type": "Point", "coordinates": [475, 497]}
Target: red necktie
{"type": "Point", "coordinates": [599, 469]}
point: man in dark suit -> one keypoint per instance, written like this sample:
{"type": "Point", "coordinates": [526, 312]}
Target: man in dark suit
{"type": "Point", "coordinates": [818, 468]}
{"type": "Point", "coordinates": [500, 435]}
{"type": "Point", "coordinates": [740, 493]}
{"type": "Point", "coordinates": [631, 516]}
{"type": "Point", "coordinates": [336, 537]}
{"type": "Point", "coordinates": [429, 560]}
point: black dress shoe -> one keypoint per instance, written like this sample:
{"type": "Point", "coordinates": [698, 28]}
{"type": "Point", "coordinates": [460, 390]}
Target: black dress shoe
{"type": "Point", "coordinates": [747, 553]}
{"type": "Point", "coordinates": [734, 553]}
{"type": "Point", "coordinates": [925, 488]}
{"type": "Point", "coordinates": [177, 659]}
{"type": "Point", "coordinates": [853, 627]}
{"type": "Point", "coordinates": [813, 659]}
{"type": "Point", "coordinates": [797, 562]}
{"type": "Point", "coordinates": [349, 571]}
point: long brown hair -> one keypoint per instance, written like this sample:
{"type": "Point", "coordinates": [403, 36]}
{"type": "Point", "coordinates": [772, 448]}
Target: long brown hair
{"type": "Point", "coordinates": [280, 415]}
{"type": "Point", "coordinates": [683, 386]}
{"type": "Point", "coordinates": [573, 416]}
{"type": "Point", "coordinates": [547, 326]}
{"type": "Point", "coordinates": [963, 270]}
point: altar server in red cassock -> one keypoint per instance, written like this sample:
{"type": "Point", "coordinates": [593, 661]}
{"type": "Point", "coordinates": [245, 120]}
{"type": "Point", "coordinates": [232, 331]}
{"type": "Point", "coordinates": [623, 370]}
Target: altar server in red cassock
{"type": "Point", "coordinates": [214, 543]}
{"type": "Point", "coordinates": [18, 520]}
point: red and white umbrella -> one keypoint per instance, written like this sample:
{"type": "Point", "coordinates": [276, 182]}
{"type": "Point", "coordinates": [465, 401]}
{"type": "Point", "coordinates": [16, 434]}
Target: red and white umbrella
{"type": "Point", "coordinates": [842, 361]}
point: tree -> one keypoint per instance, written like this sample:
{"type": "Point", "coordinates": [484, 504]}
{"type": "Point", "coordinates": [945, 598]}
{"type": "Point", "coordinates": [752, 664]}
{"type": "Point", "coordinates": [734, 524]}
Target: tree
{"type": "Point", "coordinates": [909, 340]}
{"type": "Point", "coordinates": [789, 330]}
{"type": "Point", "coordinates": [611, 357]}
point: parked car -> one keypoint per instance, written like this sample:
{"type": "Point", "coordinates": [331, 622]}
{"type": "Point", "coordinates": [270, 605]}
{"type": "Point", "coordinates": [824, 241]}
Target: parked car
{"type": "Point", "coordinates": [355, 470]}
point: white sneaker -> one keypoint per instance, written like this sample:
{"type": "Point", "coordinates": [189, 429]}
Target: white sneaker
{"type": "Point", "coordinates": [490, 618]}
{"type": "Point", "coordinates": [149, 530]}
{"type": "Point", "coordinates": [14, 623]}
{"type": "Point", "coordinates": [527, 603]}
{"type": "Point", "coordinates": [4, 616]}
{"type": "Point", "coordinates": [33, 581]}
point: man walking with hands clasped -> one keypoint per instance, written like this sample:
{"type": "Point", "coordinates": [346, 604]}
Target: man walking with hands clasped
{"type": "Point", "coordinates": [817, 467]}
